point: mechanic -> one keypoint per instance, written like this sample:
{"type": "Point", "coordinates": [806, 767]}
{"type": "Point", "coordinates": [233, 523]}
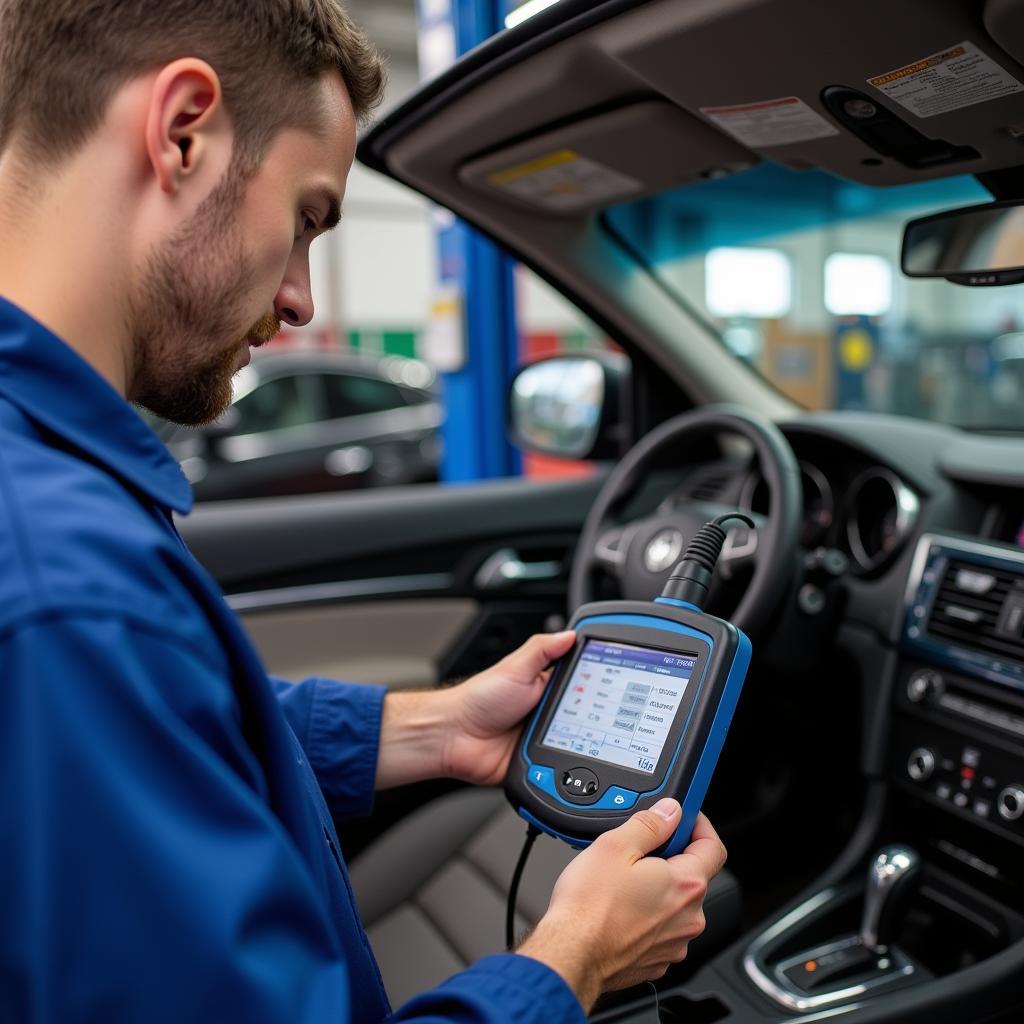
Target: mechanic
{"type": "Point", "coordinates": [167, 846]}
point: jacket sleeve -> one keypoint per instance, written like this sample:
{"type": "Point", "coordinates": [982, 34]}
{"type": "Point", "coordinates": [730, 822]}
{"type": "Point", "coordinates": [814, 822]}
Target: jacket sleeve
{"type": "Point", "coordinates": [499, 989]}
{"type": "Point", "coordinates": [144, 876]}
{"type": "Point", "coordinates": [338, 725]}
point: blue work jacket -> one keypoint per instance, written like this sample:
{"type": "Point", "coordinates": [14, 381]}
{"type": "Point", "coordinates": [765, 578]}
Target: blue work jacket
{"type": "Point", "coordinates": [167, 849]}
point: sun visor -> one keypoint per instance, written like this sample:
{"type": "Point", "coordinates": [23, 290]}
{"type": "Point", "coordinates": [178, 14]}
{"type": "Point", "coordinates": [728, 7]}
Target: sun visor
{"type": "Point", "coordinates": [607, 158]}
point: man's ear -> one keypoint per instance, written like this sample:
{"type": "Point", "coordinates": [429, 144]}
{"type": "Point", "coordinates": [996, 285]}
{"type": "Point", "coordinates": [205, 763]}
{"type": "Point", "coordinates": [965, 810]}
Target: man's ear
{"type": "Point", "coordinates": [184, 122]}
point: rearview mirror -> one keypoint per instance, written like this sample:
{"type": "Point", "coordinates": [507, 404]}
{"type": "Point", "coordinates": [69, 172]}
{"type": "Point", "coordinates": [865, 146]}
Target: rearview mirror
{"type": "Point", "coordinates": [977, 245]}
{"type": "Point", "coordinates": [570, 406]}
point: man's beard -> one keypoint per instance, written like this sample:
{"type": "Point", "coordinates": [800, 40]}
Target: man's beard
{"type": "Point", "coordinates": [190, 301]}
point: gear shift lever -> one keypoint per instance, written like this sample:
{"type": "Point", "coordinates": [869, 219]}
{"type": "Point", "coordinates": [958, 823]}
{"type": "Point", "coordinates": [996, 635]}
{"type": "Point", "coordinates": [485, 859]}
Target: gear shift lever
{"type": "Point", "coordinates": [889, 878]}
{"type": "Point", "coordinates": [851, 965]}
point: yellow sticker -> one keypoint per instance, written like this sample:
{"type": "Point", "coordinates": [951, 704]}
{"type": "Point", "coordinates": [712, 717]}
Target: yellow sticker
{"type": "Point", "coordinates": [565, 182]}
{"type": "Point", "coordinates": [544, 163]}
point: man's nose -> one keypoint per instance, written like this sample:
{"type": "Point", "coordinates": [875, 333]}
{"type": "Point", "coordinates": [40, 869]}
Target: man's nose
{"type": "Point", "coordinates": [294, 301]}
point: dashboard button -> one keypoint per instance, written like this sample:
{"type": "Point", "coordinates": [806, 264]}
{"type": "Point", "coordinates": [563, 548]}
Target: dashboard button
{"type": "Point", "coordinates": [960, 799]}
{"type": "Point", "coordinates": [982, 808]}
{"type": "Point", "coordinates": [943, 791]}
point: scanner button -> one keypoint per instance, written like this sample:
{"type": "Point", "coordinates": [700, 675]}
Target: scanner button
{"type": "Point", "coordinates": [541, 777]}
{"type": "Point", "coordinates": [618, 799]}
{"type": "Point", "coordinates": [580, 784]}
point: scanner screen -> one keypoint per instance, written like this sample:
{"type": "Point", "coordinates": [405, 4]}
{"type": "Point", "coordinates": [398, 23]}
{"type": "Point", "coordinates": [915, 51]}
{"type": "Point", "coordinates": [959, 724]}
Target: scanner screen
{"type": "Point", "coordinates": [620, 703]}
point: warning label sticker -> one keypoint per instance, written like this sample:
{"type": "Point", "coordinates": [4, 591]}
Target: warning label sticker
{"type": "Point", "coordinates": [771, 122]}
{"type": "Point", "coordinates": [948, 80]}
{"type": "Point", "coordinates": [565, 182]}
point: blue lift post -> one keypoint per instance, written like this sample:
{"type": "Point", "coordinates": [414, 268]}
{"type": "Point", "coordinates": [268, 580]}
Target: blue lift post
{"type": "Point", "coordinates": [475, 442]}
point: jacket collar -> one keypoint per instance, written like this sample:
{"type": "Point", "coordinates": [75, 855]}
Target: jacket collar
{"type": "Point", "coordinates": [57, 388]}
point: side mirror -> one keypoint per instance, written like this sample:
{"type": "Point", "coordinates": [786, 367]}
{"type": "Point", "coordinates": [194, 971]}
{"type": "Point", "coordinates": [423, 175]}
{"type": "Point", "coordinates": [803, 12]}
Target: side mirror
{"type": "Point", "coordinates": [977, 245]}
{"type": "Point", "coordinates": [571, 407]}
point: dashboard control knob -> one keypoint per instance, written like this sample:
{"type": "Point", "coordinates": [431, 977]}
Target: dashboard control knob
{"type": "Point", "coordinates": [921, 764]}
{"type": "Point", "coordinates": [811, 599]}
{"type": "Point", "coordinates": [924, 685]}
{"type": "Point", "coordinates": [1011, 803]}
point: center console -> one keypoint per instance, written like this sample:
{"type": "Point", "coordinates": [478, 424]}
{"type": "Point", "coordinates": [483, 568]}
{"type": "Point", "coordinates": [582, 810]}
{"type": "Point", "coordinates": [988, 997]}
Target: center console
{"type": "Point", "coordinates": [958, 741]}
{"type": "Point", "coordinates": [922, 917]}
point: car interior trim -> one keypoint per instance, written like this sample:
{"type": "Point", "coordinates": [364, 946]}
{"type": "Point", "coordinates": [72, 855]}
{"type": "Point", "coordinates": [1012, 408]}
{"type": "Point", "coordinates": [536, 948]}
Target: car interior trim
{"type": "Point", "coordinates": [768, 985]}
{"type": "Point", "coordinates": [907, 507]}
{"type": "Point", "coordinates": [319, 593]}
{"type": "Point", "coordinates": [358, 641]}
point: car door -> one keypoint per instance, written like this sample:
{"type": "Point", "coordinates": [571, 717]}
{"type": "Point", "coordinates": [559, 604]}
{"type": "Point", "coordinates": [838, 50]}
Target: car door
{"type": "Point", "coordinates": [405, 586]}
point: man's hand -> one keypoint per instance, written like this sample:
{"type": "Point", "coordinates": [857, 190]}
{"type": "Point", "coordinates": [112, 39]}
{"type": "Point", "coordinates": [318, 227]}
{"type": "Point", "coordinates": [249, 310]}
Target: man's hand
{"type": "Point", "coordinates": [467, 731]}
{"type": "Point", "coordinates": [487, 710]}
{"type": "Point", "coordinates": [617, 917]}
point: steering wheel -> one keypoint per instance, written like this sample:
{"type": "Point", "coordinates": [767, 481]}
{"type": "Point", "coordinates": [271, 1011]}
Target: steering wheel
{"type": "Point", "coordinates": [641, 554]}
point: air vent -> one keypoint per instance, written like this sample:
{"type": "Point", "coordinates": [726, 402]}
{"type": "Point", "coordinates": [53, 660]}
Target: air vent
{"type": "Point", "coordinates": [980, 608]}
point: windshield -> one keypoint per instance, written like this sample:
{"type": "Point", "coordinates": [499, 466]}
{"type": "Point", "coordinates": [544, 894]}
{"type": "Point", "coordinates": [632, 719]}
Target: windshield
{"type": "Point", "coordinates": [799, 274]}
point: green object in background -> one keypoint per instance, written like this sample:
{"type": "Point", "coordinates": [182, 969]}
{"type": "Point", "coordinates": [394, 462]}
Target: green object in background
{"type": "Point", "coordinates": [386, 343]}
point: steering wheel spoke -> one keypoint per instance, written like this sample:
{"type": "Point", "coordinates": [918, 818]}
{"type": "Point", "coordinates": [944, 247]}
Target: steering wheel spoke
{"type": "Point", "coordinates": [739, 550]}
{"type": "Point", "coordinates": [610, 550]}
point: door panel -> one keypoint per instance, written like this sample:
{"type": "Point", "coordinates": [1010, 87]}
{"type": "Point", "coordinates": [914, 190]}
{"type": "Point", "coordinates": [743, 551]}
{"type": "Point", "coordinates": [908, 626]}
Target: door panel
{"type": "Point", "coordinates": [257, 545]}
{"type": "Point", "coordinates": [387, 586]}
{"type": "Point", "coordinates": [398, 643]}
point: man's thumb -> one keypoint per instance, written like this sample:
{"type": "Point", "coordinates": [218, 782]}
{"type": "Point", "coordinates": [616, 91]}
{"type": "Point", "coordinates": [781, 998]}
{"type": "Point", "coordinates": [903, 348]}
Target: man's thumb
{"type": "Point", "coordinates": [539, 651]}
{"type": "Point", "coordinates": [647, 830]}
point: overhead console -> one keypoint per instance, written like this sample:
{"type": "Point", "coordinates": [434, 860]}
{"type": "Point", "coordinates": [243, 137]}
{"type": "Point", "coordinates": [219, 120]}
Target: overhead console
{"type": "Point", "coordinates": [716, 85]}
{"type": "Point", "coordinates": [937, 88]}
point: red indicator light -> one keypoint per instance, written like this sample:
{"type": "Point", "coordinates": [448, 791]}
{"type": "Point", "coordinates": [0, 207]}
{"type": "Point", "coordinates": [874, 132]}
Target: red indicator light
{"type": "Point", "coordinates": [966, 772]}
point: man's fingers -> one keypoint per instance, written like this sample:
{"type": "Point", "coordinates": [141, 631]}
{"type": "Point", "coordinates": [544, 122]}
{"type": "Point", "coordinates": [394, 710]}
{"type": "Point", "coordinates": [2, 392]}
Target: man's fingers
{"type": "Point", "coordinates": [705, 847]}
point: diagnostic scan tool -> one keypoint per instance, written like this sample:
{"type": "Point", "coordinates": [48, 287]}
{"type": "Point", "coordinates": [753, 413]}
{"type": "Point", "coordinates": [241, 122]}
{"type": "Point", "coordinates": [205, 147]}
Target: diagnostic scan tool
{"type": "Point", "coordinates": [638, 710]}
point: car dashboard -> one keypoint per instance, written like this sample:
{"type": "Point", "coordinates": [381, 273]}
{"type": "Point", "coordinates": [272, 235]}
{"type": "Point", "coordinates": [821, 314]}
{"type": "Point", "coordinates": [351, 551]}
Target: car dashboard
{"type": "Point", "coordinates": [910, 592]}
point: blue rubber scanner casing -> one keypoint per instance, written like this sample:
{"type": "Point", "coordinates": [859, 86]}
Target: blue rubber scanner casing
{"type": "Point", "coordinates": [687, 762]}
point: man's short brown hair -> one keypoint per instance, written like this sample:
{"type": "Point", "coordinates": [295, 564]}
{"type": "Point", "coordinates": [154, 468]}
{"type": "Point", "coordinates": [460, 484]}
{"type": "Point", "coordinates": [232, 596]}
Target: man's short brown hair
{"type": "Point", "coordinates": [61, 61]}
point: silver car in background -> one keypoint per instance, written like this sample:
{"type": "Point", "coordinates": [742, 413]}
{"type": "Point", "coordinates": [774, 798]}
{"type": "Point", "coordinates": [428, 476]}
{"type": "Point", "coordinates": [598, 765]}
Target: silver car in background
{"type": "Point", "coordinates": [303, 422]}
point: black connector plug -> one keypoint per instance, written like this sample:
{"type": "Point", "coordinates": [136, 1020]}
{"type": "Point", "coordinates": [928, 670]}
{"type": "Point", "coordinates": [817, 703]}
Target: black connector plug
{"type": "Point", "coordinates": [691, 578]}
